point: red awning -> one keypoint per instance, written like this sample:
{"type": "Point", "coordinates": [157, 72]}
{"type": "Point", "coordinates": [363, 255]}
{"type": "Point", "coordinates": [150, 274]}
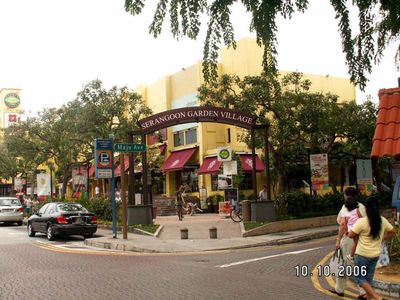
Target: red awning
{"type": "Point", "coordinates": [117, 170]}
{"type": "Point", "coordinates": [386, 141]}
{"type": "Point", "coordinates": [247, 163]}
{"type": "Point", "coordinates": [210, 165]}
{"type": "Point", "coordinates": [178, 159]}
{"type": "Point", "coordinates": [162, 148]}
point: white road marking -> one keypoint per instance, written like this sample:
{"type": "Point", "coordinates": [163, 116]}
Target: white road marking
{"type": "Point", "coordinates": [265, 257]}
{"type": "Point", "coordinates": [17, 233]}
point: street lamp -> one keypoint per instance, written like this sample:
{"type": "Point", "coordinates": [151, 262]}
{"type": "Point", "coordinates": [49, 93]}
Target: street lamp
{"type": "Point", "coordinates": [308, 147]}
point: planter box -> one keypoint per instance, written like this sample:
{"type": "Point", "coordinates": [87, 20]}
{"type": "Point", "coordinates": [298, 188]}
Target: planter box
{"type": "Point", "coordinates": [140, 214]}
{"type": "Point", "coordinates": [262, 211]}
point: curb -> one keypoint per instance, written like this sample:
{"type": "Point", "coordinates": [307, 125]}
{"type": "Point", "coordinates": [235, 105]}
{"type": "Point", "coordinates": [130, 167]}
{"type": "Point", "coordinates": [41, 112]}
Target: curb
{"type": "Point", "coordinates": [387, 288]}
{"type": "Point", "coordinates": [283, 241]}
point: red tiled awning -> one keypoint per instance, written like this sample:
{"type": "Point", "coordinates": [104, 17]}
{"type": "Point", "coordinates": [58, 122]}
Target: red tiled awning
{"type": "Point", "coordinates": [210, 165]}
{"type": "Point", "coordinates": [247, 163]}
{"type": "Point", "coordinates": [386, 141]}
{"type": "Point", "coordinates": [178, 159]}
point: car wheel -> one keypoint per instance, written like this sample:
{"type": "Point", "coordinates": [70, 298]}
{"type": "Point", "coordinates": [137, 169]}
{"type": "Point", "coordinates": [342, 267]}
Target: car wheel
{"type": "Point", "coordinates": [50, 233]}
{"type": "Point", "coordinates": [31, 233]}
{"type": "Point", "coordinates": [19, 223]}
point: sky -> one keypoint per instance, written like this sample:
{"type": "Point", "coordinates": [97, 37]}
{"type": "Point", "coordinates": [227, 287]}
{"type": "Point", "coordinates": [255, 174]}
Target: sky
{"type": "Point", "coordinates": [50, 49]}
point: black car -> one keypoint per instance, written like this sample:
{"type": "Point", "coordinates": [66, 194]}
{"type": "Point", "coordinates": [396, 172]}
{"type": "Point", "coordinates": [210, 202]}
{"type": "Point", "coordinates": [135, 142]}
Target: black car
{"type": "Point", "coordinates": [62, 218]}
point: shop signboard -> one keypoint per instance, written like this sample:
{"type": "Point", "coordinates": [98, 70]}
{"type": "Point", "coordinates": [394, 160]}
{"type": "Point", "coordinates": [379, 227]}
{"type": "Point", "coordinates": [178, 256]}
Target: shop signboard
{"type": "Point", "coordinates": [18, 184]}
{"type": "Point", "coordinates": [230, 167]}
{"type": "Point", "coordinates": [224, 154]}
{"type": "Point", "coordinates": [364, 175]}
{"type": "Point", "coordinates": [319, 171]}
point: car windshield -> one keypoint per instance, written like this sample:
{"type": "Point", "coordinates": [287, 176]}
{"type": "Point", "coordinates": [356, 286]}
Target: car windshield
{"type": "Point", "coordinates": [71, 207]}
{"type": "Point", "coordinates": [9, 202]}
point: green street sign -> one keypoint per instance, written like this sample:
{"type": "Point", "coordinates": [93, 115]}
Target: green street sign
{"type": "Point", "coordinates": [129, 147]}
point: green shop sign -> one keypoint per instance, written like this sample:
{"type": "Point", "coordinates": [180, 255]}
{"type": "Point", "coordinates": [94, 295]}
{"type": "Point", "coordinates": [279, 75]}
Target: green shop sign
{"type": "Point", "coordinates": [12, 100]}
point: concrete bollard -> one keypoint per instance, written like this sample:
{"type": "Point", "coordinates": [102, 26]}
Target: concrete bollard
{"type": "Point", "coordinates": [213, 232]}
{"type": "Point", "coordinates": [184, 234]}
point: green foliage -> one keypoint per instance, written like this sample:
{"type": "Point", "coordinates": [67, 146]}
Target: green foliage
{"type": "Point", "coordinates": [301, 205]}
{"type": "Point", "coordinates": [297, 118]}
{"type": "Point", "coordinates": [252, 225]}
{"type": "Point", "coordinates": [384, 199]}
{"type": "Point", "coordinates": [215, 199]}
{"type": "Point", "coordinates": [378, 26]}
{"type": "Point", "coordinates": [151, 228]}
{"type": "Point", "coordinates": [394, 246]}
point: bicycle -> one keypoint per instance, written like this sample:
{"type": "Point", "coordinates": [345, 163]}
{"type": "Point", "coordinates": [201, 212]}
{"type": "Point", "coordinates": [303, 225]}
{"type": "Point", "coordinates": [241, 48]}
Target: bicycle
{"type": "Point", "coordinates": [236, 214]}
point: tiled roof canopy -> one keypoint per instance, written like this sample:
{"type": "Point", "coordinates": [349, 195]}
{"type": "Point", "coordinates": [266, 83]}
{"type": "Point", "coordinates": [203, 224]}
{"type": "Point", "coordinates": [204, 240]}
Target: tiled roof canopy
{"type": "Point", "coordinates": [386, 140]}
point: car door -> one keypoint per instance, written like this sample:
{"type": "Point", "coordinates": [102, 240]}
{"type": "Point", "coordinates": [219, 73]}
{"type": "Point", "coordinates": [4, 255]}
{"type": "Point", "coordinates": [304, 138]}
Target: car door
{"type": "Point", "coordinates": [38, 224]}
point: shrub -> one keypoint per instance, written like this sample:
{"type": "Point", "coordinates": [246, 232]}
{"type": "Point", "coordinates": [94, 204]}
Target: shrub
{"type": "Point", "coordinates": [394, 246]}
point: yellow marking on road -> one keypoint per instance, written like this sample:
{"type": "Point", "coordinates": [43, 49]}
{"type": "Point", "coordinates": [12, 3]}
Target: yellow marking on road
{"type": "Point", "coordinates": [106, 252]}
{"type": "Point", "coordinates": [317, 284]}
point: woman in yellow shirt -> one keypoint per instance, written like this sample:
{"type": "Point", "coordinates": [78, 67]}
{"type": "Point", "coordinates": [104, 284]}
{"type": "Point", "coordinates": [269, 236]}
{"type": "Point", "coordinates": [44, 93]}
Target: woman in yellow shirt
{"type": "Point", "coordinates": [370, 230]}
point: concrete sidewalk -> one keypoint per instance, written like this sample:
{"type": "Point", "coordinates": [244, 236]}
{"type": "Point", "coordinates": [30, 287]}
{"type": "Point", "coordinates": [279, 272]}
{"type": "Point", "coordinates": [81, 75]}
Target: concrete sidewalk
{"type": "Point", "coordinates": [229, 236]}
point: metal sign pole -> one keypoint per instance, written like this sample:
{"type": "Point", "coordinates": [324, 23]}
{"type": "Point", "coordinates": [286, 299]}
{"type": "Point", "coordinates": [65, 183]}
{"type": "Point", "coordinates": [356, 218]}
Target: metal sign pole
{"type": "Point", "coordinates": [113, 206]}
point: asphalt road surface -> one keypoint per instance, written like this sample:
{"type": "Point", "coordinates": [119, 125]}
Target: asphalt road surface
{"type": "Point", "coordinates": [33, 268]}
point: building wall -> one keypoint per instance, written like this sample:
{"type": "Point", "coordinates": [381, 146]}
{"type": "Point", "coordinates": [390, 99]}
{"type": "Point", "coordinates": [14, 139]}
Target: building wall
{"type": "Point", "coordinates": [180, 90]}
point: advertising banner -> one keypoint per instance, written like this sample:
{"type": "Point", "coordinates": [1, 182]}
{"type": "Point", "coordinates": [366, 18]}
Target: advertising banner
{"type": "Point", "coordinates": [225, 182]}
{"type": "Point", "coordinates": [79, 180]}
{"type": "Point", "coordinates": [203, 198]}
{"type": "Point", "coordinates": [364, 175]}
{"type": "Point", "coordinates": [18, 184]}
{"type": "Point", "coordinates": [43, 184]}
{"type": "Point", "coordinates": [319, 171]}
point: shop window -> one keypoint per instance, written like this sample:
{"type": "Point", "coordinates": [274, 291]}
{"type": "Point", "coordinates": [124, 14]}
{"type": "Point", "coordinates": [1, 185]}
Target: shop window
{"type": "Point", "coordinates": [178, 139]}
{"type": "Point", "coordinates": [214, 182]}
{"type": "Point", "coordinates": [191, 136]}
{"type": "Point", "coordinates": [246, 182]}
{"type": "Point", "coordinates": [185, 137]}
{"type": "Point", "coordinates": [191, 178]}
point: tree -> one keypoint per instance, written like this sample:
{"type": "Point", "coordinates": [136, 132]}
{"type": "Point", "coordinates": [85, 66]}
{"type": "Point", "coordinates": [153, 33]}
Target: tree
{"type": "Point", "coordinates": [66, 135]}
{"type": "Point", "coordinates": [296, 116]}
{"type": "Point", "coordinates": [376, 29]}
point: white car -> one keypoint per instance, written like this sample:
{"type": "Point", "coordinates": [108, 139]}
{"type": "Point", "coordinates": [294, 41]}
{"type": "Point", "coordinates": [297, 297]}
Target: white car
{"type": "Point", "coordinates": [11, 210]}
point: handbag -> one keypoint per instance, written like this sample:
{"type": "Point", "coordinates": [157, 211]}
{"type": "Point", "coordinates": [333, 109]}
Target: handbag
{"type": "Point", "coordinates": [336, 263]}
{"type": "Point", "coordinates": [384, 256]}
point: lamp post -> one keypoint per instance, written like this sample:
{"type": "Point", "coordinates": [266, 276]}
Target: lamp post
{"type": "Point", "coordinates": [308, 147]}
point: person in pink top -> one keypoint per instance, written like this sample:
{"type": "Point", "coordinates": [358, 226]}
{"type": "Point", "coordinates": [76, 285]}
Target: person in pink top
{"type": "Point", "coordinates": [351, 217]}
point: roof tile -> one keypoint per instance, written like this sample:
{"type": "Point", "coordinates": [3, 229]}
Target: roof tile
{"type": "Point", "coordinates": [386, 141]}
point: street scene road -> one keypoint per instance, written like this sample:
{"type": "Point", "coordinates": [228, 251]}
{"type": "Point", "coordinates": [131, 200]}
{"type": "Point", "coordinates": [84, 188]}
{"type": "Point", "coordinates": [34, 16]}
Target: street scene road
{"type": "Point", "coordinates": [33, 268]}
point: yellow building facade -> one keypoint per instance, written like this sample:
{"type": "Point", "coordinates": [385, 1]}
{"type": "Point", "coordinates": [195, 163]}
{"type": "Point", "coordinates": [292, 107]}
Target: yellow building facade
{"type": "Point", "coordinates": [179, 90]}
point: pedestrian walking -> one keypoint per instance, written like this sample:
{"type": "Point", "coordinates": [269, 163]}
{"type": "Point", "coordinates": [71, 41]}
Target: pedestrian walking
{"type": "Point", "coordinates": [263, 195]}
{"type": "Point", "coordinates": [180, 202]}
{"type": "Point", "coordinates": [371, 231]}
{"type": "Point", "coordinates": [344, 242]}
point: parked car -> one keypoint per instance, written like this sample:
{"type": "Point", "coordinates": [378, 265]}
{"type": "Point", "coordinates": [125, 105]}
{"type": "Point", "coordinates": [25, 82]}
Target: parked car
{"type": "Point", "coordinates": [62, 218]}
{"type": "Point", "coordinates": [11, 210]}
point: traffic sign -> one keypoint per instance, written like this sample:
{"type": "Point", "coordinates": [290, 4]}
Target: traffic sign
{"type": "Point", "coordinates": [129, 147]}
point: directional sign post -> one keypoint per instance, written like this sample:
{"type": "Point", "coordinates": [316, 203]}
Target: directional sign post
{"type": "Point", "coordinates": [127, 147]}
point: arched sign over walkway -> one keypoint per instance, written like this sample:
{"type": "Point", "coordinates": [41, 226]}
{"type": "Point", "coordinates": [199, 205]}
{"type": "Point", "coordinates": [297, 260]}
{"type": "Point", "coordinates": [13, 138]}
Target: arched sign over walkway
{"type": "Point", "coordinates": [194, 115]}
